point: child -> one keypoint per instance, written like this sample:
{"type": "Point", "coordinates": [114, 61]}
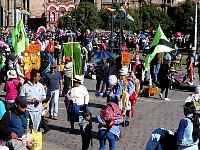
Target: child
{"type": "Point", "coordinates": [86, 131]}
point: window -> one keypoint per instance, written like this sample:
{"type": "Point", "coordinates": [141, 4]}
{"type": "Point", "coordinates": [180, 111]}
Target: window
{"type": "Point", "coordinates": [52, 16]}
{"type": "Point", "coordinates": [53, 1]}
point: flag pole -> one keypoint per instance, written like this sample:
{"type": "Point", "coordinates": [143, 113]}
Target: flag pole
{"type": "Point", "coordinates": [195, 38]}
{"type": "Point", "coordinates": [72, 48]}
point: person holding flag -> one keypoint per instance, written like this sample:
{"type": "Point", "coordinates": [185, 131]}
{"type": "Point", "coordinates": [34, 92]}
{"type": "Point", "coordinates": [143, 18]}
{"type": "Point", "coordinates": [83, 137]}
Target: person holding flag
{"type": "Point", "coordinates": [160, 44]}
{"type": "Point", "coordinates": [19, 38]}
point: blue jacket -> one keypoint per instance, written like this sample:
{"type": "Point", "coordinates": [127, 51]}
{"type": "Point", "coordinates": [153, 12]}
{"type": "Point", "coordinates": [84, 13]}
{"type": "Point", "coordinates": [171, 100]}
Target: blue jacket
{"type": "Point", "coordinates": [114, 129]}
{"type": "Point", "coordinates": [184, 133]}
{"type": "Point", "coordinates": [17, 124]}
{"type": "Point", "coordinates": [154, 141]}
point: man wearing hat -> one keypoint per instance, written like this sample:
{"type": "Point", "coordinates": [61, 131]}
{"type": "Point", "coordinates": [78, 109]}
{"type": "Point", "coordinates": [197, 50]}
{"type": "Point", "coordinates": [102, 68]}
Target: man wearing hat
{"type": "Point", "coordinates": [68, 73]}
{"type": "Point", "coordinates": [54, 88]}
{"type": "Point", "coordinates": [185, 133]}
{"type": "Point", "coordinates": [14, 122]}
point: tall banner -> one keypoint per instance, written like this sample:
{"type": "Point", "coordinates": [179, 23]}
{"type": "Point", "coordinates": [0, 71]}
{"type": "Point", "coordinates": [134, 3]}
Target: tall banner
{"type": "Point", "coordinates": [73, 50]}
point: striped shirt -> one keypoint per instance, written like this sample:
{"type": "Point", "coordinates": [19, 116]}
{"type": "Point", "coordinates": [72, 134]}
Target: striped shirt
{"type": "Point", "coordinates": [68, 69]}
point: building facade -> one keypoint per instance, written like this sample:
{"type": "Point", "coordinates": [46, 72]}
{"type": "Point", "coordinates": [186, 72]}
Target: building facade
{"type": "Point", "coordinates": [53, 9]}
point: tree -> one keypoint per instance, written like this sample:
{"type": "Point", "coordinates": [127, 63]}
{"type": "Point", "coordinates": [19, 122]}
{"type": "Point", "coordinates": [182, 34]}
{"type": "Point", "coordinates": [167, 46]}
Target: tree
{"type": "Point", "coordinates": [86, 16]}
{"type": "Point", "coordinates": [105, 19]}
{"type": "Point", "coordinates": [66, 21]}
{"type": "Point", "coordinates": [151, 17]}
{"type": "Point", "coordinates": [182, 17]}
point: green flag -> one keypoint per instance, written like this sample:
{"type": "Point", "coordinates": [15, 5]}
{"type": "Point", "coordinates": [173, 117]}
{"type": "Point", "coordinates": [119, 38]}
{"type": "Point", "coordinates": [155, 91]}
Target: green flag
{"type": "Point", "coordinates": [19, 38]}
{"type": "Point", "coordinates": [73, 50]}
{"type": "Point", "coordinates": [159, 44]}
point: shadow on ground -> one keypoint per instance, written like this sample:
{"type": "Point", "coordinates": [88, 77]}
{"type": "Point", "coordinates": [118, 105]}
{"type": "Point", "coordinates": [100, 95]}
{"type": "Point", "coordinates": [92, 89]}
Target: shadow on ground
{"type": "Point", "coordinates": [95, 105]}
{"type": "Point", "coordinates": [66, 130]}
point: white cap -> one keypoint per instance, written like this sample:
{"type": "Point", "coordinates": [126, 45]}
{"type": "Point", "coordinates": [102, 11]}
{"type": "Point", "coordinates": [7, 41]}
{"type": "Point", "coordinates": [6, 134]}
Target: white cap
{"type": "Point", "coordinates": [112, 80]}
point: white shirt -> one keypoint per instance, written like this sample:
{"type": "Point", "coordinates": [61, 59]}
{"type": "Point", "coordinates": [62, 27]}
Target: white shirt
{"type": "Point", "coordinates": [31, 91]}
{"type": "Point", "coordinates": [79, 95]}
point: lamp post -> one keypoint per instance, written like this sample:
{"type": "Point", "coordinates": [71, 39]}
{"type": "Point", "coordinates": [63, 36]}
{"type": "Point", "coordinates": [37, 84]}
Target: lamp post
{"type": "Point", "coordinates": [120, 33]}
{"type": "Point", "coordinates": [15, 3]}
{"type": "Point", "coordinates": [75, 25]}
{"type": "Point", "coordinates": [0, 16]}
{"type": "Point", "coordinates": [112, 28]}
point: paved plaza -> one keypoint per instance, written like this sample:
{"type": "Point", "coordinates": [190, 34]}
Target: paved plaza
{"type": "Point", "coordinates": [150, 113]}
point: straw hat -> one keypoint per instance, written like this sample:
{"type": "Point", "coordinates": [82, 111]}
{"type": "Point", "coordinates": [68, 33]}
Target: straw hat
{"type": "Point", "coordinates": [123, 71]}
{"type": "Point", "coordinates": [12, 74]}
{"type": "Point", "coordinates": [77, 78]}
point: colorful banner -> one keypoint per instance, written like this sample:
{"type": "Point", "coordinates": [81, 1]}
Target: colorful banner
{"type": "Point", "coordinates": [73, 50]}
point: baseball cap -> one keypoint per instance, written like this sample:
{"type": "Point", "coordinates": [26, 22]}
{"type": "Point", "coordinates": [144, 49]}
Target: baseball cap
{"type": "Point", "coordinates": [21, 100]}
{"type": "Point", "coordinates": [189, 105]}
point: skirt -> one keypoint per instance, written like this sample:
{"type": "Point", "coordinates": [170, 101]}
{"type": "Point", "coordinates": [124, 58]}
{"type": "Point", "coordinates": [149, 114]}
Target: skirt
{"type": "Point", "coordinates": [74, 111]}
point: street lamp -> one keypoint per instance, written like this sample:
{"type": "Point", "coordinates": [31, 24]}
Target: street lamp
{"type": "Point", "coordinates": [112, 28]}
{"type": "Point", "coordinates": [0, 16]}
{"type": "Point", "coordinates": [75, 24]}
{"type": "Point", "coordinates": [15, 3]}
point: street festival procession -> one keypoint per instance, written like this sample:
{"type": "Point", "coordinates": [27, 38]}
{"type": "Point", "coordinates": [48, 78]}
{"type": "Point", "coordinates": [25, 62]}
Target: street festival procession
{"type": "Point", "coordinates": [115, 75]}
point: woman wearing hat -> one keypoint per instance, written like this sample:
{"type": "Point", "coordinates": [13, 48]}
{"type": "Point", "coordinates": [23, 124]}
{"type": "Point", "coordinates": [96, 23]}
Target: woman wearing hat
{"type": "Point", "coordinates": [110, 118]}
{"type": "Point", "coordinates": [124, 103]}
{"type": "Point", "coordinates": [78, 97]}
{"type": "Point", "coordinates": [12, 87]}
{"type": "Point", "coordinates": [186, 139]}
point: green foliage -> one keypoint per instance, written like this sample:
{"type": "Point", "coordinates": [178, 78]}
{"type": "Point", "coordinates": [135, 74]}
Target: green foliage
{"type": "Point", "coordinates": [86, 15]}
{"type": "Point", "coordinates": [182, 17]}
{"type": "Point", "coordinates": [66, 21]}
{"type": "Point", "coordinates": [105, 19]}
{"type": "Point", "coordinates": [151, 17]}
{"type": "Point", "coordinates": [147, 17]}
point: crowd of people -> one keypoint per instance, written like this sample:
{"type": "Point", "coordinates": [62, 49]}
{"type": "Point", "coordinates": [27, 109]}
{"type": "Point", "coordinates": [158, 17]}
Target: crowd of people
{"type": "Point", "coordinates": [120, 83]}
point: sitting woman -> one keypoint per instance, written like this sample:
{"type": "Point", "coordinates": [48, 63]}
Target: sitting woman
{"type": "Point", "coordinates": [185, 135]}
{"type": "Point", "coordinates": [110, 118]}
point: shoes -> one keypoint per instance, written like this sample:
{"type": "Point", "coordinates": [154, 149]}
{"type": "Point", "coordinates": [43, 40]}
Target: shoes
{"type": "Point", "coordinates": [50, 117]}
{"type": "Point", "coordinates": [97, 95]}
{"type": "Point", "coordinates": [71, 131]}
{"type": "Point", "coordinates": [55, 118]}
{"type": "Point", "coordinates": [167, 99]}
{"type": "Point", "coordinates": [101, 94]}
{"type": "Point", "coordinates": [190, 83]}
{"type": "Point", "coordinates": [126, 123]}
{"type": "Point", "coordinates": [160, 94]}
{"type": "Point", "coordinates": [45, 131]}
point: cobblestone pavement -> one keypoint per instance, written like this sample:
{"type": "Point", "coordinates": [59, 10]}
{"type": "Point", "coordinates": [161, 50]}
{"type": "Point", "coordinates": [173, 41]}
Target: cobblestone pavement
{"type": "Point", "coordinates": [151, 113]}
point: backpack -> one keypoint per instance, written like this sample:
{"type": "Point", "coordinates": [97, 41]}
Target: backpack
{"type": "Point", "coordinates": [110, 111]}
